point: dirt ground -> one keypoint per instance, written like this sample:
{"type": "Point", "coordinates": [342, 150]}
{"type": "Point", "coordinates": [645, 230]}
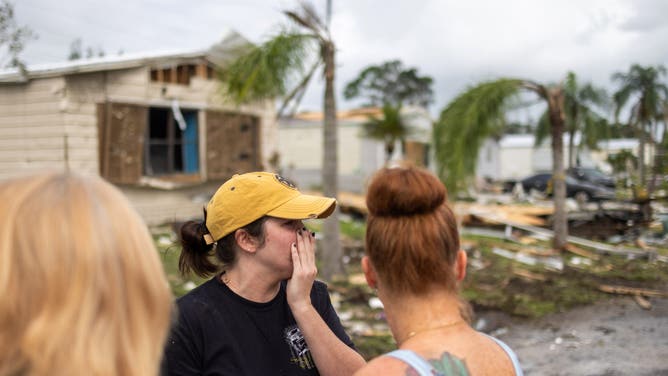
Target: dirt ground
{"type": "Point", "coordinates": [612, 337]}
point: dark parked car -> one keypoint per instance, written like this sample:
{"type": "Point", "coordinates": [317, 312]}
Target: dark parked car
{"type": "Point", "coordinates": [592, 175]}
{"type": "Point", "coordinates": [580, 190]}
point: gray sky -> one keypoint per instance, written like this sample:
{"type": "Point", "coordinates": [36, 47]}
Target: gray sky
{"type": "Point", "coordinates": [457, 42]}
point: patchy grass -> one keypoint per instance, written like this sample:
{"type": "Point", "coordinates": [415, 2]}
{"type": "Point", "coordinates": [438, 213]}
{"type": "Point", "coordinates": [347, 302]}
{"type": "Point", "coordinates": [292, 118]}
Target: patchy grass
{"type": "Point", "coordinates": [492, 283]}
{"type": "Point", "coordinates": [495, 285]}
{"type": "Point", "coordinates": [166, 242]}
{"type": "Point", "coordinates": [371, 346]}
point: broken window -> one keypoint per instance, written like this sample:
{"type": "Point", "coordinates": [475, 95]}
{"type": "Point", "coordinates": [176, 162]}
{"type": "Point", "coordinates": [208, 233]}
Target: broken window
{"type": "Point", "coordinates": [172, 146]}
{"type": "Point", "coordinates": [181, 74]}
{"type": "Point", "coordinates": [136, 141]}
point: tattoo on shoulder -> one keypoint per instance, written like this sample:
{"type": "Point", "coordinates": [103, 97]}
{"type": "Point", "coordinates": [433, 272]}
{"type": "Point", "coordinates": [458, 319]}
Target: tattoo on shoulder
{"type": "Point", "coordinates": [446, 365]}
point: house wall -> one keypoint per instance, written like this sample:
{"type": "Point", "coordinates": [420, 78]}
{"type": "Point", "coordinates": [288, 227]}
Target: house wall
{"type": "Point", "coordinates": [515, 157]}
{"type": "Point", "coordinates": [169, 206]}
{"type": "Point", "coordinates": [489, 163]}
{"type": "Point", "coordinates": [32, 132]}
{"type": "Point", "coordinates": [51, 123]}
{"type": "Point", "coordinates": [518, 162]}
{"type": "Point", "coordinates": [300, 145]}
{"type": "Point", "coordinates": [133, 86]}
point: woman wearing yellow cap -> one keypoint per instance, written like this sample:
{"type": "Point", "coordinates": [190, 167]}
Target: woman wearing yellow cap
{"type": "Point", "coordinates": [262, 313]}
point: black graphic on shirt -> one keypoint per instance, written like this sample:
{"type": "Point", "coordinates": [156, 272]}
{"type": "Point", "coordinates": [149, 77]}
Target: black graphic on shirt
{"type": "Point", "coordinates": [301, 354]}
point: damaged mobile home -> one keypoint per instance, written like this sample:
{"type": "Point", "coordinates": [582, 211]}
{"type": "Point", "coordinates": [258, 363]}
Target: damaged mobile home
{"type": "Point", "coordinates": [156, 125]}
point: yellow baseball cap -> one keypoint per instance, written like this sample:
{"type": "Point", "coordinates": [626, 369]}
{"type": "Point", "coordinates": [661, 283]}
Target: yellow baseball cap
{"type": "Point", "coordinates": [247, 197]}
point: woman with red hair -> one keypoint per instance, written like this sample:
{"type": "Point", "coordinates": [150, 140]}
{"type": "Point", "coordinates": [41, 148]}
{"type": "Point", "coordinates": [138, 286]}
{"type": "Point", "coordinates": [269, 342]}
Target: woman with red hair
{"type": "Point", "coordinates": [414, 262]}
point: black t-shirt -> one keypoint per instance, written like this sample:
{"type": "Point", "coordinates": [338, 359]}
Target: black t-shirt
{"type": "Point", "coordinates": [220, 333]}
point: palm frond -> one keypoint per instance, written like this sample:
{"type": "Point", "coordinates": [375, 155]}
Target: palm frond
{"type": "Point", "coordinates": [594, 129]}
{"type": "Point", "coordinates": [464, 125]}
{"type": "Point", "coordinates": [306, 16]}
{"type": "Point", "coordinates": [298, 92]}
{"type": "Point", "coordinates": [645, 82]}
{"type": "Point", "coordinates": [265, 71]}
{"type": "Point", "coordinates": [388, 128]}
{"type": "Point", "coordinates": [542, 131]}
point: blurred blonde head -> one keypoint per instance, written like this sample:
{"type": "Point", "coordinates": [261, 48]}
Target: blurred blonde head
{"type": "Point", "coordinates": [83, 290]}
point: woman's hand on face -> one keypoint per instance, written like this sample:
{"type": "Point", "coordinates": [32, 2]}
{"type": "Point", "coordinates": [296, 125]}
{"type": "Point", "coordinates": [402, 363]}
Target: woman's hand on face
{"type": "Point", "coordinates": [304, 271]}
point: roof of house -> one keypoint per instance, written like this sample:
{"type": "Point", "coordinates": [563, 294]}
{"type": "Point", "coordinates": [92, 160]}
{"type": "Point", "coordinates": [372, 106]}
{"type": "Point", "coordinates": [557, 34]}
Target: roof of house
{"type": "Point", "coordinates": [528, 140]}
{"type": "Point", "coordinates": [217, 54]}
{"type": "Point", "coordinates": [358, 114]}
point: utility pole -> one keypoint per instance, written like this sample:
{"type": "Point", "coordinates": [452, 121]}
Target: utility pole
{"type": "Point", "coordinates": [328, 16]}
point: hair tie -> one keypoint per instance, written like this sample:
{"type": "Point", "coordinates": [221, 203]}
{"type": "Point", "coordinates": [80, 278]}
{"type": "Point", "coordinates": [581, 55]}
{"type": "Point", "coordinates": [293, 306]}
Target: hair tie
{"type": "Point", "coordinates": [208, 239]}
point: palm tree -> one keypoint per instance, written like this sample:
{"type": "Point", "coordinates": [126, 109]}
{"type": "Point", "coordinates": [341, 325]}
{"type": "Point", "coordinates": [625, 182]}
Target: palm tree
{"type": "Point", "coordinates": [389, 128]}
{"type": "Point", "coordinates": [476, 114]}
{"type": "Point", "coordinates": [266, 71]}
{"type": "Point", "coordinates": [647, 95]}
{"type": "Point", "coordinates": [579, 100]}
{"type": "Point", "coordinates": [13, 39]}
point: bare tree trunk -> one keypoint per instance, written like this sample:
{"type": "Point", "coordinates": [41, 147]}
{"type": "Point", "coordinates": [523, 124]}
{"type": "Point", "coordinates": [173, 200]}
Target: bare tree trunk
{"type": "Point", "coordinates": [641, 156]}
{"type": "Point", "coordinates": [555, 100]}
{"type": "Point", "coordinates": [332, 255]}
{"type": "Point", "coordinates": [651, 185]}
{"type": "Point", "coordinates": [389, 150]}
{"type": "Point", "coordinates": [571, 148]}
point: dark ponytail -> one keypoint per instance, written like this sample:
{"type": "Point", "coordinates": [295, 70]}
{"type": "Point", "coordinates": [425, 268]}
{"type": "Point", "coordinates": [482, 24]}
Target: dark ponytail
{"type": "Point", "coordinates": [195, 252]}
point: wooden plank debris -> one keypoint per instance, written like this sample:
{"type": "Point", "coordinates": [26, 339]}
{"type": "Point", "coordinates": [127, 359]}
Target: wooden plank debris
{"type": "Point", "coordinates": [599, 247]}
{"type": "Point", "coordinates": [624, 290]}
{"type": "Point", "coordinates": [521, 214]}
{"type": "Point", "coordinates": [642, 302]}
{"type": "Point", "coordinates": [529, 275]}
{"type": "Point", "coordinates": [352, 201]}
{"type": "Point", "coordinates": [572, 248]}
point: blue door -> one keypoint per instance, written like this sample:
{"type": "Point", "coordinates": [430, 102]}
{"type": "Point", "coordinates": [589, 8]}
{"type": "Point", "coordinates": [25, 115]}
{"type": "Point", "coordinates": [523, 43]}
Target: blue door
{"type": "Point", "coordinates": [190, 149]}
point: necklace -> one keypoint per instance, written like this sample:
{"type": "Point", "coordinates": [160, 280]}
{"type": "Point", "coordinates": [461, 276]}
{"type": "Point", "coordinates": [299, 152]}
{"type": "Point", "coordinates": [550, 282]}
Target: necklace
{"type": "Point", "coordinates": [228, 282]}
{"type": "Point", "coordinates": [429, 329]}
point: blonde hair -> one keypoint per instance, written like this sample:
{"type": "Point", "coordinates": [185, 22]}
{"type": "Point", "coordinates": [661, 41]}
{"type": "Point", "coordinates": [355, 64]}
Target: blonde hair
{"type": "Point", "coordinates": [81, 285]}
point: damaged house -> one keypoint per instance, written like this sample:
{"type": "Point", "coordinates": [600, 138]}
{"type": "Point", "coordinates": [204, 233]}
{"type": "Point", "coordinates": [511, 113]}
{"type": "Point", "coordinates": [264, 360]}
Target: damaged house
{"type": "Point", "coordinates": [156, 125]}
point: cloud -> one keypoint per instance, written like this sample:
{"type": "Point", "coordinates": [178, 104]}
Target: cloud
{"type": "Point", "coordinates": [456, 42]}
{"type": "Point", "coordinates": [646, 15]}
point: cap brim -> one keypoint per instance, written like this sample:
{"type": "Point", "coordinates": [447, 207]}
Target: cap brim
{"type": "Point", "coordinates": [305, 207]}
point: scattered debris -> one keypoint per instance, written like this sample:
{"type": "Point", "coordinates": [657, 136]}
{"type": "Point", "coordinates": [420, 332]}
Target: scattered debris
{"type": "Point", "coordinates": [375, 303]}
{"type": "Point", "coordinates": [581, 252]}
{"type": "Point", "coordinates": [624, 290]}
{"type": "Point", "coordinates": [578, 261]}
{"type": "Point", "coordinates": [493, 214]}
{"type": "Point", "coordinates": [642, 302]}
{"type": "Point", "coordinates": [529, 275]}
{"type": "Point", "coordinates": [550, 262]}
{"type": "Point", "coordinates": [357, 279]}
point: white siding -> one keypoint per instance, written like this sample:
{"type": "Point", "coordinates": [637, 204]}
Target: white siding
{"type": "Point", "coordinates": [516, 163]}
{"type": "Point", "coordinates": [168, 206]}
{"type": "Point", "coordinates": [51, 124]}
{"type": "Point", "coordinates": [300, 146]}
{"type": "Point", "coordinates": [489, 160]}
{"type": "Point", "coordinates": [31, 127]}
